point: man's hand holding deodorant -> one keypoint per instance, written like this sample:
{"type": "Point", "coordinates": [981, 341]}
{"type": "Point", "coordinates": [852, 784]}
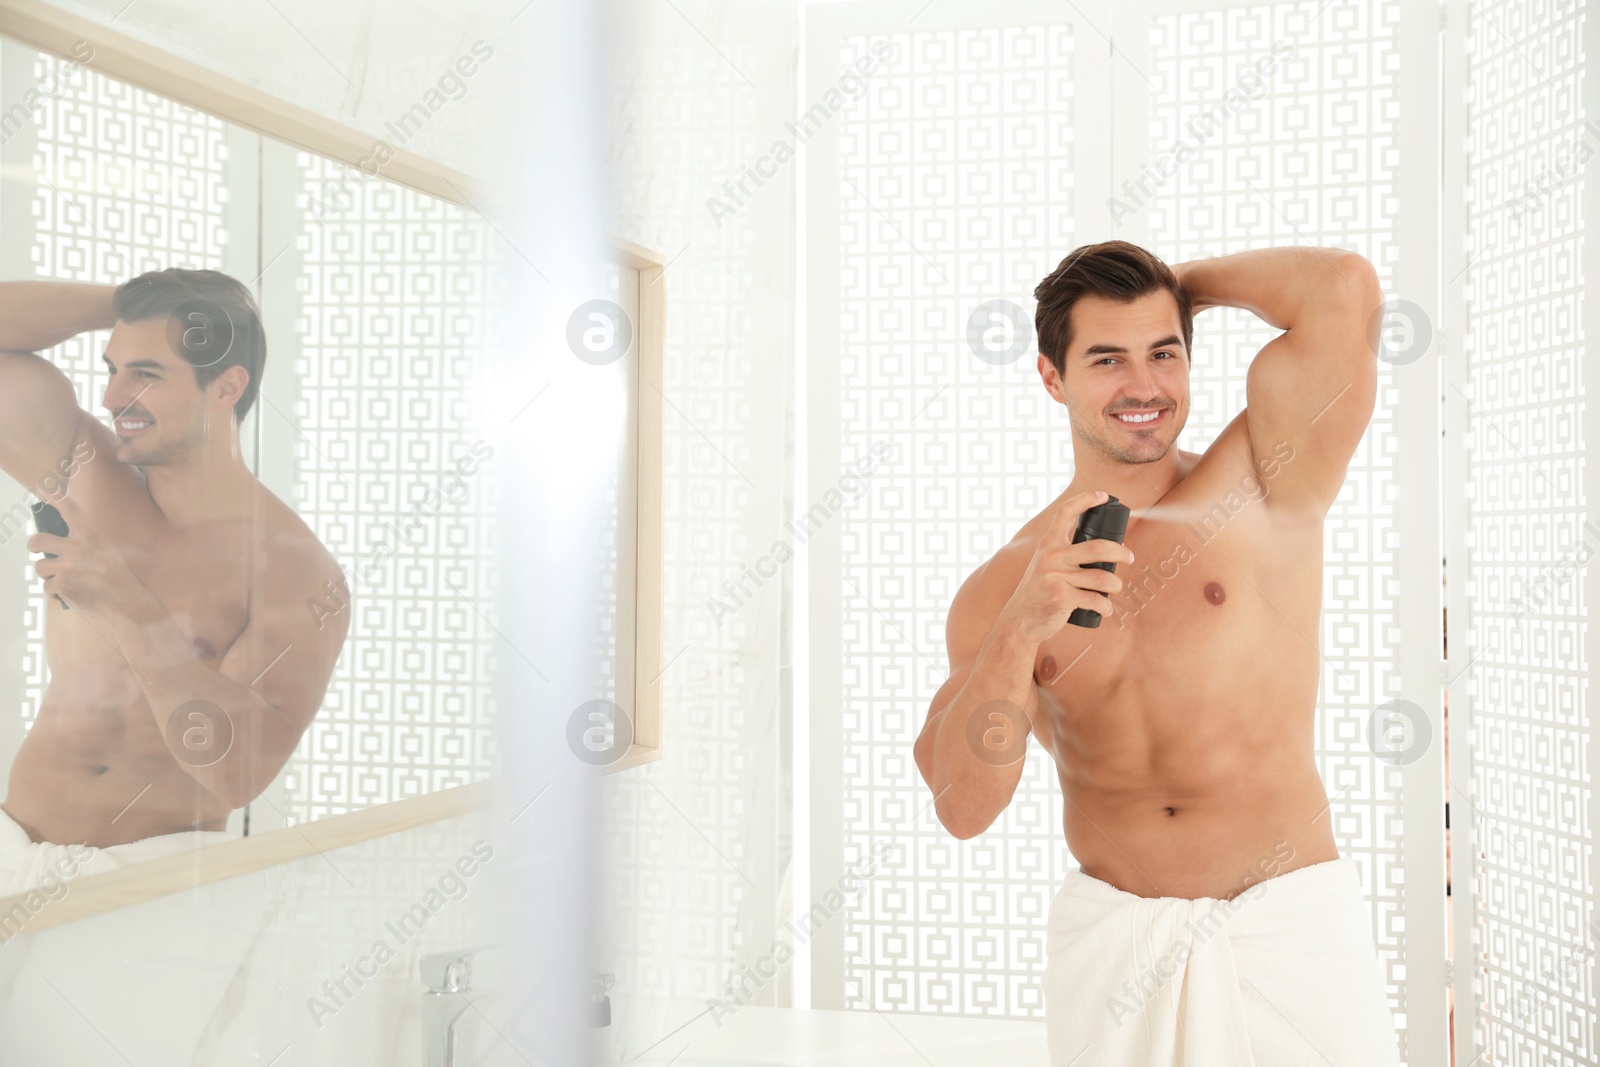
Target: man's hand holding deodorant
{"type": "Point", "coordinates": [1068, 573]}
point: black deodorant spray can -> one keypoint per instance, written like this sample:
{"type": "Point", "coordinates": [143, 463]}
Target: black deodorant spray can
{"type": "Point", "coordinates": [1103, 522]}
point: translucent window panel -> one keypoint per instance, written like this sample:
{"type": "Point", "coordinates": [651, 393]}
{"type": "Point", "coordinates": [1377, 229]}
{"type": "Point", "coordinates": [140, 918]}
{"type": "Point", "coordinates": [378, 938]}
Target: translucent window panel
{"type": "Point", "coordinates": [394, 475]}
{"type": "Point", "coordinates": [128, 182]}
{"type": "Point", "coordinates": [1524, 669]}
{"type": "Point", "coordinates": [955, 189]}
{"type": "Point", "coordinates": [1308, 160]}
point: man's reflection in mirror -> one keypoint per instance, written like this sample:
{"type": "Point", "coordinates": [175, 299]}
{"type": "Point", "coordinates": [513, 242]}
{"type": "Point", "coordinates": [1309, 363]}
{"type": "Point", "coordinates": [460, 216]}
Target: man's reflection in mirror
{"type": "Point", "coordinates": [192, 619]}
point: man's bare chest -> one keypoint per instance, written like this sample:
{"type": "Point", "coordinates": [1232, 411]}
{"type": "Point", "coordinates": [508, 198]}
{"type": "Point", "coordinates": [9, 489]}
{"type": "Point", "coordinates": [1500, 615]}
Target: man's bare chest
{"type": "Point", "coordinates": [202, 578]}
{"type": "Point", "coordinates": [1203, 602]}
{"type": "Point", "coordinates": [206, 589]}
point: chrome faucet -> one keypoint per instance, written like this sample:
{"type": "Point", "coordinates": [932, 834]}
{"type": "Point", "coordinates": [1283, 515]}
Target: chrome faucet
{"type": "Point", "coordinates": [599, 987]}
{"type": "Point", "coordinates": [447, 1038]}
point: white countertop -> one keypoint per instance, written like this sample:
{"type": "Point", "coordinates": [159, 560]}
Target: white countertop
{"type": "Point", "coordinates": [792, 1037]}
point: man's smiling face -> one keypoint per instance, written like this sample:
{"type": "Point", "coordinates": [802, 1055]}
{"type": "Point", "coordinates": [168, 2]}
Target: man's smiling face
{"type": "Point", "coordinates": [157, 407]}
{"type": "Point", "coordinates": [1125, 377]}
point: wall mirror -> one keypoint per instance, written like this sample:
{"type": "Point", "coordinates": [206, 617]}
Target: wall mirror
{"type": "Point", "coordinates": [341, 533]}
{"type": "Point", "coordinates": [345, 520]}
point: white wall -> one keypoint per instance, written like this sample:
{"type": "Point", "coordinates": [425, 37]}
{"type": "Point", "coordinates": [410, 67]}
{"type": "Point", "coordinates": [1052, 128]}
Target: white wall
{"type": "Point", "coordinates": [703, 89]}
{"type": "Point", "coordinates": [694, 842]}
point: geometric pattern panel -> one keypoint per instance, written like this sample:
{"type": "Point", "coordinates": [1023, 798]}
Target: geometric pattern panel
{"type": "Point", "coordinates": [1524, 669]}
{"type": "Point", "coordinates": [396, 289]}
{"type": "Point", "coordinates": [1283, 118]}
{"type": "Point", "coordinates": [955, 189]}
{"type": "Point", "coordinates": [128, 182]}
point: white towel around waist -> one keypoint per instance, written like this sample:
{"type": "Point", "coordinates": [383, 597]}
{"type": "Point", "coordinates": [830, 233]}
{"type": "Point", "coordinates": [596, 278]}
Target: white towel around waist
{"type": "Point", "coordinates": [1284, 974]}
{"type": "Point", "coordinates": [26, 864]}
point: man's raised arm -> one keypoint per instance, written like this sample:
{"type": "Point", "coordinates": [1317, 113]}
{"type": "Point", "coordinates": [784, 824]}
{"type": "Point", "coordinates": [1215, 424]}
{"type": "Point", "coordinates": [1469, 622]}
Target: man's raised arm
{"type": "Point", "coordinates": [35, 315]}
{"type": "Point", "coordinates": [1313, 388]}
{"type": "Point", "coordinates": [39, 411]}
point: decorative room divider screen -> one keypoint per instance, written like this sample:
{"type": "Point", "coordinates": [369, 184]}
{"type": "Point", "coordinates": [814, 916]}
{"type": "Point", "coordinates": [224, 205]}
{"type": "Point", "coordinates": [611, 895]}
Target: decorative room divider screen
{"type": "Point", "coordinates": [978, 145]}
{"type": "Point", "coordinates": [1521, 526]}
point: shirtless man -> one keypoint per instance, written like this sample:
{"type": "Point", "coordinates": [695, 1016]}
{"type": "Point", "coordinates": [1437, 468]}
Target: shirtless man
{"type": "Point", "coordinates": [1181, 727]}
{"type": "Point", "coordinates": [194, 620]}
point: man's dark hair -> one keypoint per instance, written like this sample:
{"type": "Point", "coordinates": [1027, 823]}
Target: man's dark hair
{"type": "Point", "coordinates": [1113, 270]}
{"type": "Point", "coordinates": [161, 292]}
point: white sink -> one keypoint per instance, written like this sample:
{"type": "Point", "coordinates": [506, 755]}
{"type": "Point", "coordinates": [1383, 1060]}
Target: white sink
{"type": "Point", "coordinates": [758, 1036]}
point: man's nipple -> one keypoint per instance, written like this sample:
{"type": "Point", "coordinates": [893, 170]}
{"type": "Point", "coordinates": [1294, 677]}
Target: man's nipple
{"type": "Point", "coordinates": [1047, 669]}
{"type": "Point", "coordinates": [1215, 593]}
